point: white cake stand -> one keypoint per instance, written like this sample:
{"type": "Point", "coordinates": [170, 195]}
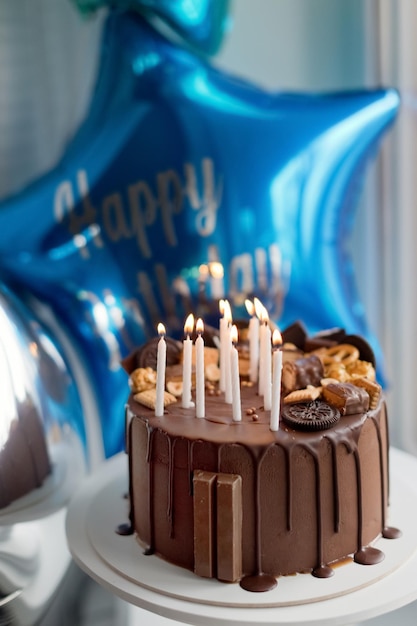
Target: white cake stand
{"type": "Point", "coordinates": [355, 593]}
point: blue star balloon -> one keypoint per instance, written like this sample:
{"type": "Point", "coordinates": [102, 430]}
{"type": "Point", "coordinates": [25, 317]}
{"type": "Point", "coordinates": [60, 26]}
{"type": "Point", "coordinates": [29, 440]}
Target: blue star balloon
{"type": "Point", "coordinates": [200, 23]}
{"type": "Point", "coordinates": [185, 185]}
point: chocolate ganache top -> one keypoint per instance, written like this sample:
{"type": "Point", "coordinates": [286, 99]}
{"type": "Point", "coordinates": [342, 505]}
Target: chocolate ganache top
{"type": "Point", "coordinates": [218, 425]}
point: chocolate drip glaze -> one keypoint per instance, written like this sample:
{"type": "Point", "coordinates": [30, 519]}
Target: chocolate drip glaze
{"type": "Point", "coordinates": [288, 487]}
{"type": "Point", "coordinates": [388, 532]}
{"type": "Point", "coordinates": [322, 571]}
{"type": "Point", "coordinates": [170, 513]}
{"type": "Point", "coordinates": [151, 547]}
{"type": "Point", "coordinates": [217, 444]}
{"type": "Point", "coordinates": [335, 489]}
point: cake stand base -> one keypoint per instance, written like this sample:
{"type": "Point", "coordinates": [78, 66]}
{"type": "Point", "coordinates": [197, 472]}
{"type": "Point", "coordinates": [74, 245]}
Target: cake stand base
{"type": "Point", "coordinates": [355, 593]}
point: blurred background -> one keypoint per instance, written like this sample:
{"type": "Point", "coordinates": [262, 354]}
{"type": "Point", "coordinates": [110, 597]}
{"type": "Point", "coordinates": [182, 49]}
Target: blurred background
{"type": "Point", "coordinates": [48, 62]}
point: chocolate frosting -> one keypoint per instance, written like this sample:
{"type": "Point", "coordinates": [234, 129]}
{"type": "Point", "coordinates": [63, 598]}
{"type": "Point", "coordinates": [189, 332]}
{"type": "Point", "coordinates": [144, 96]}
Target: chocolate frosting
{"type": "Point", "coordinates": [309, 498]}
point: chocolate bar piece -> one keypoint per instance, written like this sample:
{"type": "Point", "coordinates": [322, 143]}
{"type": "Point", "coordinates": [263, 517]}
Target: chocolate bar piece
{"type": "Point", "coordinates": [204, 523]}
{"type": "Point", "coordinates": [229, 527]}
{"type": "Point", "coordinates": [302, 372]}
{"type": "Point", "coordinates": [346, 397]}
{"type": "Point", "coordinates": [296, 334]}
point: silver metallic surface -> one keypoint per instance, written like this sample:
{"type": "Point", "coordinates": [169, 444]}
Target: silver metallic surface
{"type": "Point", "coordinates": [43, 452]}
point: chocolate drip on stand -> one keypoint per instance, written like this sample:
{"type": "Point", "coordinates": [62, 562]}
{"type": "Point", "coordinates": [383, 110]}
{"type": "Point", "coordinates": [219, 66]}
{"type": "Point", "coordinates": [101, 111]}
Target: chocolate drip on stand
{"type": "Point", "coordinates": [259, 581]}
{"type": "Point", "coordinates": [322, 570]}
{"type": "Point", "coordinates": [125, 529]}
{"type": "Point", "coordinates": [364, 555]}
{"type": "Point", "coordinates": [388, 532]}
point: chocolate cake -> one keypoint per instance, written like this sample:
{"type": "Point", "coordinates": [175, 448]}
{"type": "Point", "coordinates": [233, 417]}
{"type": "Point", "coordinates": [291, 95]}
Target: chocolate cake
{"type": "Point", "coordinates": [238, 501]}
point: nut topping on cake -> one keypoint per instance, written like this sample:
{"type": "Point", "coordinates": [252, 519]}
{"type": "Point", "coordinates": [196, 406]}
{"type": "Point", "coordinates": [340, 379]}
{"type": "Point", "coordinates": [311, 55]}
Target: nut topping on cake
{"type": "Point", "coordinates": [142, 378]}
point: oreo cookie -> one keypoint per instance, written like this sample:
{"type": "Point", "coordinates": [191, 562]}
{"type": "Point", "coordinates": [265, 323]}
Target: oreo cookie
{"type": "Point", "coordinates": [146, 355]}
{"type": "Point", "coordinates": [310, 416]}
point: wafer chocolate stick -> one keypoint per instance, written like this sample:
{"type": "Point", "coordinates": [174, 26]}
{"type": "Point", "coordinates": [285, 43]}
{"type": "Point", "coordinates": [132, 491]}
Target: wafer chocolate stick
{"type": "Point", "coordinates": [204, 523]}
{"type": "Point", "coordinates": [229, 527]}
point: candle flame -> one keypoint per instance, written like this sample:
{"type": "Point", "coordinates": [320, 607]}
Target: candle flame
{"type": "Point", "coordinates": [227, 311]}
{"type": "Point", "coordinates": [276, 338]}
{"type": "Point", "coordinates": [250, 307]}
{"type": "Point", "coordinates": [216, 269]}
{"type": "Point", "coordinates": [161, 330]}
{"type": "Point", "coordinates": [234, 334]}
{"type": "Point", "coordinates": [203, 271]}
{"type": "Point", "coordinates": [199, 326]}
{"type": "Point", "coordinates": [189, 324]}
{"type": "Point", "coordinates": [259, 308]}
{"type": "Point", "coordinates": [221, 306]}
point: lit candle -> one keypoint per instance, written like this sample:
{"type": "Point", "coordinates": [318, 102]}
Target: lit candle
{"type": "Point", "coordinates": [234, 369]}
{"type": "Point", "coordinates": [216, 280]}
{"type": "Point", "coordinates": [267, 390]}
{"type": "Point", "coordinates": [187, 363]}
{"type": "Point", "coordinates": [253, 342]}
{"type": "Point", "coordinates": [225, 352]}
{"type": "Point", "coordinates": [276, 380]}
{"type": "Point", "coordinates": [262, 315]}
{"type": "Point", "coordinates": [199, 370]}
{"type": "Point", "coordinates": [223, 324]}
{"type": "Point", "coordinates": [160, 372]}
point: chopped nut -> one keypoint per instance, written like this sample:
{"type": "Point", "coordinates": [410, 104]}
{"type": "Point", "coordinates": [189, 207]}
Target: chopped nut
{"type": "Point", "coordinates": [362, 369]}
{"type": "Point", "coordinates": [142, 378]}
{"type": "Point", "coordinates": [174, 388]}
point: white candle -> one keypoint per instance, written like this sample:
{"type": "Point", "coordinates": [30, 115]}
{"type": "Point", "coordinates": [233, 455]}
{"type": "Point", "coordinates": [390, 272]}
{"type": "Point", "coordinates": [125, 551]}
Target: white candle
{"type": "Point", "coordinates": [234, 368]}
{"type": "Point", "coordinates": [199, 371]}
{"type": "Point", "coordinates": [267, 368]}
{"type": "Point", "coordinates": [187, 356]}
{"type": "Point", "coordinates": [262, 315]}
{"type": "Point", "coordinates": [216, 280]}
{"type": "Point", "coordinates": [160, 372]}
{"type": "Point", "coordinates": [223, 329]}
{"type": "Point", "coordinates": [276, 381]}
{"type": "Point", "coordinates": [226, 353]}
{"type": "Point", "coordinates": [253, 342]}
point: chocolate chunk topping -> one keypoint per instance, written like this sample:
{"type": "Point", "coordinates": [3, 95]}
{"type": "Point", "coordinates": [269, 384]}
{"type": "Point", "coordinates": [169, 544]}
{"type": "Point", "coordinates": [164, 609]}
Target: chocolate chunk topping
{"type": "Point", "coordinates": [346, 397]}
{"type": "Point", "coordinates": [315, 415]}
{"type": "Point", "coordinates": [303, 372]}
{"type": "Point", "coordinates": [296, 334]}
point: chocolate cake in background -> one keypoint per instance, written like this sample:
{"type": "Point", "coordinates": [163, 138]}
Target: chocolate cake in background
{"type": "Point", "coordinates": [238, 501]}
{"type": "Point", "coordinates": [24, 460]}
